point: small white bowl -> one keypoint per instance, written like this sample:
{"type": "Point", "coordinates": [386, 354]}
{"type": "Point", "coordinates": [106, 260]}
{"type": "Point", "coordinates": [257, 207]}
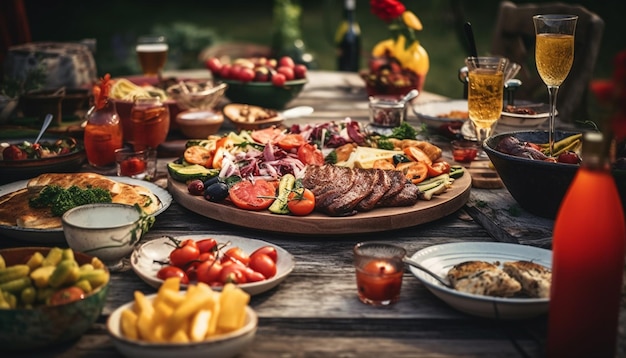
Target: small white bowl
{"type": "Point", "coordinates": [108, 231]}
{"type": "Point", "coordinates": [219, 346]}
{"type": "Point", "coordinates": [199, 123]}
{"type": "Point", "coordinates": [437, 114]}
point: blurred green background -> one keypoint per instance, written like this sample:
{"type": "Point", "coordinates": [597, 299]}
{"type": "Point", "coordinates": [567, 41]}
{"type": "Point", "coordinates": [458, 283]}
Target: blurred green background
{"type": "Point", "coordinates": [192, 26]}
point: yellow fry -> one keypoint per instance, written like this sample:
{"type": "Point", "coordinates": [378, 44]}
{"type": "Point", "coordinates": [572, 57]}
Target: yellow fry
{"type": "Point", "coordinates": [200, 325]}
{"type": "Point", "coordinates": [128, 324]}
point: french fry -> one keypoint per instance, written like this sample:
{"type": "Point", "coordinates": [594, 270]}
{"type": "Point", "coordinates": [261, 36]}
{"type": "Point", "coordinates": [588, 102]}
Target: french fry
{"type": "Point", "coordinates": [128, 324]}
{"type": "Point", "coordinates": [144, 325]}
{"type": "Point", "coordinates": [194, 301]}
{"type": "Point", "coordinates": [142, 305]}
{"type": "Point", "coordinates": [200, 325]}
{"type": "Point", "coordinates": [233, 302]}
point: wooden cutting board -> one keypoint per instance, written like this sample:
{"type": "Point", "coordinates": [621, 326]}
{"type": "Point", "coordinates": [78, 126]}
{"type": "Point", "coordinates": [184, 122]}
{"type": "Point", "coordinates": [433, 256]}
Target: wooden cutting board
{"type": "Point", "coordinates": [484, 176]}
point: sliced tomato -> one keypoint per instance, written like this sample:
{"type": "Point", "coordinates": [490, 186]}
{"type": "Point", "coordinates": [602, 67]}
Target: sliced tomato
{"type": "Point", "coordinates": [416, 172]}
{"type": "Point", "coordinates": [266, 135]}
{"type": "Point", "coordinates": [418, 155]}
{"type": "Point", "coordinates": [257, 195]}
{"type": "Point", "coordinates": [291, 140]}
{"type": "Point", "coordinates": [309, 154]}
{"type": "Point", "coordinates": [438, 168]}
{"type": "Point", "coordinates": [301, 202]}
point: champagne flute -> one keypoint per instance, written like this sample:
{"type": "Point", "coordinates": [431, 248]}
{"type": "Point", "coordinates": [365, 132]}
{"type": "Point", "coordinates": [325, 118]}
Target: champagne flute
{"type": "Point", "coordinates": [554, 55]}
{"type": "Point", "coordinates": [485, 93]}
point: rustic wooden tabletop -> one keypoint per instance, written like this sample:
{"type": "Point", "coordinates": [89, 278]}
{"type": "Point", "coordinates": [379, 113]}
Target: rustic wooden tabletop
{"type": "Point", "coordinates": [315, 312]}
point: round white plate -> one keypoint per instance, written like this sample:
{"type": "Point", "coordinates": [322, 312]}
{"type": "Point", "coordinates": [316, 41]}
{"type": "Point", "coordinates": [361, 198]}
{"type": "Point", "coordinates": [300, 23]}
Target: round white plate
{"type": "Point", "coordinates": [428, 113]}
{"type": "Point", "coordinates": [145, 260]}
{"type": "Point", "coordinates": [56, 236]}
{"type": "Point", "coordinates": [526, 120]}
{"type": "Point", "coordinates": [441, 258]}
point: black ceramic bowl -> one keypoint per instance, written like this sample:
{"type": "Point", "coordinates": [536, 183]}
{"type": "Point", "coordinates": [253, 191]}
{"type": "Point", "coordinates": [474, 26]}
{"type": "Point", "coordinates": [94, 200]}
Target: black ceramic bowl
{"type": "Point", "coordinates": [538, 186]}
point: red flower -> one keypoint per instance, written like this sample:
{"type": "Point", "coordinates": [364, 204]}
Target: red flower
{"type": "Point", "coordinates": [387, 10]}
{"type": "Point", "coordinates": [101, 91]}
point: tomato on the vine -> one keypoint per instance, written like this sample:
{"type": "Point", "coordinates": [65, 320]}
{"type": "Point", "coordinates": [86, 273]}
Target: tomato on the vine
{"type": "Point", "coordinates": [233, 273]}
{"type": "Point", "coordinates": [207, 245]}
{"type": "Point", "coordinates": [267, 250]}
{"type": "Point", "coordinates": [184, 253]}
{"type": "Point", "coordinates": [264, 264]}
{"type": "Point", "coordinates": [236, 254]}
{"type": "Point", "coordinates": [172, 271]}
{"type": "Point", "coordinates": [301, 202]}
{"type": "Point", "coordinates": [209, 272]}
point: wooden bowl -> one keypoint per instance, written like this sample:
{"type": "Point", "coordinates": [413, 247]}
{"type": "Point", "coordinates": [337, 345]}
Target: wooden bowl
{"type": "Point", "coordinates": [249, 117]}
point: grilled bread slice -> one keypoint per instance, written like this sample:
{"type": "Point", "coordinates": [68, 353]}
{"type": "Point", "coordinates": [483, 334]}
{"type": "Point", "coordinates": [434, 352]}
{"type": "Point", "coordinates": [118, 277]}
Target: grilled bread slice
{"type": "Point", "coordinates": [534, 278]}
{"type": "Point", "coordinates": [81, 180]}
{"type": "Point", "coordinates": [482, 278]}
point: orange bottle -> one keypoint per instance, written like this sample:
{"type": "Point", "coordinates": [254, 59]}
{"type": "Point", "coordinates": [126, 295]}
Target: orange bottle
{"type": "Point", "coordinates": [588, 250]}
{"type": "Point", "coordinates": [103, 132]}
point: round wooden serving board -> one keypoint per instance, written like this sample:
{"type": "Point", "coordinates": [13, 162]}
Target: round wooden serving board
{"type": "Point", "coordinates": [380, 219]}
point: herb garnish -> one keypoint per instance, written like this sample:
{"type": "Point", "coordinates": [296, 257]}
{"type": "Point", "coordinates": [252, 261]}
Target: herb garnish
{"type": "Point", "coordinates": [60, 200]}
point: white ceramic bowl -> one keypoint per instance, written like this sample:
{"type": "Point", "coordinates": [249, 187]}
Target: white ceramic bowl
{"type": "Point", "coordinates": [220, 346]}
{"type": "Point", "coordinates": [108, 231]}
{"type": "Point", "coordinates": [199, 123]}
{"type": "Point", "coordinates": [436, 114]}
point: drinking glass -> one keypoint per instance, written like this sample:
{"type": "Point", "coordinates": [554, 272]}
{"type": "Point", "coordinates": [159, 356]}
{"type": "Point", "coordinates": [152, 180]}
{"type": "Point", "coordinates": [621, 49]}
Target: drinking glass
{"type": "Point", "coordinates": [379, 269]}
{"type": "Point", "coordinates": [150, 122]}
{"type": "Point", "coordinates": [485, 93]}
{"type": "Point", "coordinates": [554, 55]}
{"type": "Point", "coordinates": [152, 54]}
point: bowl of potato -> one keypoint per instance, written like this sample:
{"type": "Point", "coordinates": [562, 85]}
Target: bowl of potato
{"type": "Point", "coordinates": [48, 296]}
{"type": "Point", "coordinates": [196, 322]}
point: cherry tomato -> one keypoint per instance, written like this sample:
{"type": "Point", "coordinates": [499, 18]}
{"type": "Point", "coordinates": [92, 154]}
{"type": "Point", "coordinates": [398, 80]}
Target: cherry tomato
{"type": "Point", "coordinates": [67, 295]}
{"type": "Point", "coordinates": [266, 250]}
{"type": "Point", "coordinates": [291, 140]}
{"type": "Point", "coordinates": [301, 202]}
{"type": "Point", "coordinates": [172, 271]}
{"type": "Point", "coordinates": [416, 172]}
{"type": "Point", "coordinates": [252, 196]}
{"type": "Point", "coordinates": [238, 255]}
{"type": "Point", "coordinates": [438, 168]}
{"type": "Point", "coordinates": [132, 166]}
{"type": "Point", "coordinates": [207, 245]}
{"type": "Point", "coordinates": [569, 158]}
{"type": "Point", "coordinates": [13, 152]}
{"type": "Point", "coordinates": [253, 276]}
{"type": "Point", "coordinates": [279, 79]}
{"type": "Point", "coordinates": [209, 272]}
{"type": "Point", "coordinates": [264, 264]}
{"type": "Point", "coordinates": [309, 154]}
{"type": "Point", "coordinates": [184, 253]}
{"type": "Point", "coordinates": [233, 273]}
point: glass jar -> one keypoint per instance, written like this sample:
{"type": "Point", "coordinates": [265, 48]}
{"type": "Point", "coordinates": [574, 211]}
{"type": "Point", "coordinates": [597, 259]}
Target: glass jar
{"type": "Point", "coordinates": [150, 121]}
{"type": "Point", "coordinates": [103, 135]}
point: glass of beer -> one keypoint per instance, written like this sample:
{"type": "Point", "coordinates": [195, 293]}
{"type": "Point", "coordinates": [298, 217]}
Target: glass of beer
{"type": "Point", "coordinates": [554, 56]}
{"type": "Point", "coordinates": [152, 54]}
{"type": "Point", "coordinates": [150, 122]}
{"type": "Point", "coordinates": [485, 93]}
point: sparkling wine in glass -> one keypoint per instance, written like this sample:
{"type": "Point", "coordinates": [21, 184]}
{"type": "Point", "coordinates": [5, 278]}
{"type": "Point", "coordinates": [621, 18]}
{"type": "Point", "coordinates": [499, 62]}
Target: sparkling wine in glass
{"type": "Point", "coordinates": [554, 55]}
{"type": "Point", "coordinates": [485, 93]}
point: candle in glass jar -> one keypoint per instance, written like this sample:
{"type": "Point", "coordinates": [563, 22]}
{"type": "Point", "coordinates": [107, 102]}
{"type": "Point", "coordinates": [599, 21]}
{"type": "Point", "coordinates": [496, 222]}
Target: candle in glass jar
{"type": "Point", "coordinates": [379, 270]}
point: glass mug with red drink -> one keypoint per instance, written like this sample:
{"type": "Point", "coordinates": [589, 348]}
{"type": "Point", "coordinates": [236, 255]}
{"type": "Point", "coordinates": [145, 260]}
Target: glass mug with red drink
{"type": "Point", "coordinates": [150, 122]}
{"type": "Point", "coordinates": [379, 270]}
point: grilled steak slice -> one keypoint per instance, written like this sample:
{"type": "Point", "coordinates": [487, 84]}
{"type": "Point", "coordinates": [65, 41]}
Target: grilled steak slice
{"type": "Point", "coordinates": [408, 196]}
{"type": "Point", "coordinates": [362, 186]}
{"type": "Point", "coordinates": [337, 182]}
{"type": "Point", "coordinates": [398, 180]}
{"type": "Point", "coordinates": [381, 183]}
{"type": "Point", "coordinates": [319, 179]}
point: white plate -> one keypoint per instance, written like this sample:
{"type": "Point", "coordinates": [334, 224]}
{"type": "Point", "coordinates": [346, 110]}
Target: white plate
{"type": "Point", "coordinates": [441, 258]}
{"type": "Point", "coordinates": [143, 260]}
{"type": "Point", "coordinates": [427, 112]}
{"type": "Point", "coordinates": [526, 120]}
{"type": "Point", "coordinates": [56, 236]}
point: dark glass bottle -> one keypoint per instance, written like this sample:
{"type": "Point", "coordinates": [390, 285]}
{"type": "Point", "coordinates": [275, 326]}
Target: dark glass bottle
{"type": "Point", "coordinates": [348, 39]}
{"type": "Point", "coordinates": [588, 249]}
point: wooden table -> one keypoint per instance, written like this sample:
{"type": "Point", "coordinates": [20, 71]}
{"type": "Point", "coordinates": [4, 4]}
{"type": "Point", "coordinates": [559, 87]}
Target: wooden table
{"type": "Point", "coordinates": [315, 312]}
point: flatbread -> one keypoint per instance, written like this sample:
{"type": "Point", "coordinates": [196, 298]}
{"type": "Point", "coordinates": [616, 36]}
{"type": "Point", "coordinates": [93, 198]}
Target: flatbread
{"type": "Point", "coordinates": [15, 210]}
